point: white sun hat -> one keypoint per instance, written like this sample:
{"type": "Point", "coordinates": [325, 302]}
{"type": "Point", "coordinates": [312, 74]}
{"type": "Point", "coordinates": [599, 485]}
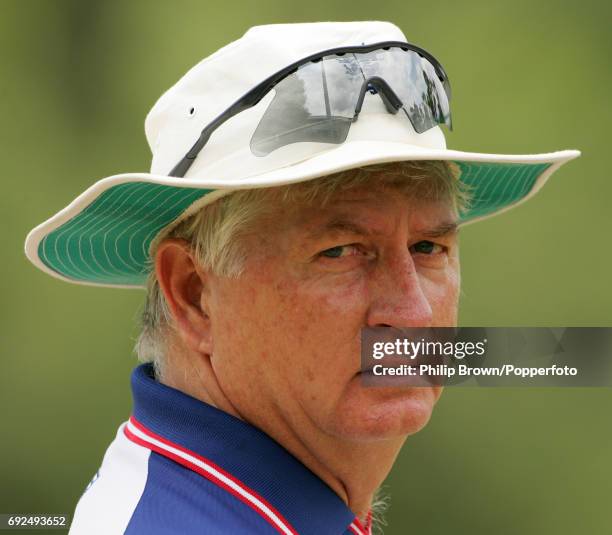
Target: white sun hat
{"type": "Point", "coordinates": [105, 235]}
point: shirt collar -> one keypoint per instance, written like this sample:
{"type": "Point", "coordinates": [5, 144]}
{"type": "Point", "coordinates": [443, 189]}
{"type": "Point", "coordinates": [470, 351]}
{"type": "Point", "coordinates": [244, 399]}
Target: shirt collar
{"type": "Point", "coordinates": [236, 456]}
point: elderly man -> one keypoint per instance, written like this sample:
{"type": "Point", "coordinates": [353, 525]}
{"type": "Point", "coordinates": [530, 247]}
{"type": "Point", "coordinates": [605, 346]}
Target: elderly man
{"type": "Point", "coordinates": [300, 191]}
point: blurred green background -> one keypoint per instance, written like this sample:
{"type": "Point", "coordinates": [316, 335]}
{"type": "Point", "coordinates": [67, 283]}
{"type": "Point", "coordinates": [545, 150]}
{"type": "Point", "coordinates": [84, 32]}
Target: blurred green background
{"type": "Point", "coordinates": [77, 80]}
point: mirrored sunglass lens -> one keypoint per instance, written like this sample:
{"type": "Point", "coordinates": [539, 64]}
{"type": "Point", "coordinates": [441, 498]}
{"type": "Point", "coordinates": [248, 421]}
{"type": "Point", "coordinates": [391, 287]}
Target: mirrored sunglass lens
{"type": "Point", "coordinates": [317, 102]}
{"type": "Point", "coordinates": [314, 104]}
{"type": "Point", "coordinates": [416, 83]}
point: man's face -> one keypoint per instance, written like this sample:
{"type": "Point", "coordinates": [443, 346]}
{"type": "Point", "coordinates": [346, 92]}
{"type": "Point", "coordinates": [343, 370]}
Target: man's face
{"type": "Point", "coordinates": [286, 333]}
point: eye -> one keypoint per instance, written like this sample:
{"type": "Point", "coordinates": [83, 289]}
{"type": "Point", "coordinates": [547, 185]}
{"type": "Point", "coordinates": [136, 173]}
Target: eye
{"type": "Point", "coordinates": [427, 247]}
{"type": "Point", "coordinates": [338, 251]}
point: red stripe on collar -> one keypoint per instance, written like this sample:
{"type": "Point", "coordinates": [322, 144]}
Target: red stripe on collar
{"type": "Point", "coordinates": [138, 433]}
{"type": "Point", "coordinates": [357, 528]}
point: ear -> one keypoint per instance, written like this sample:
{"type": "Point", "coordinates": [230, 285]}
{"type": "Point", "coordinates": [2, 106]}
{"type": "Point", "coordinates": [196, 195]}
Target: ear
{"type": "Point", "coordinates": [183, 284]}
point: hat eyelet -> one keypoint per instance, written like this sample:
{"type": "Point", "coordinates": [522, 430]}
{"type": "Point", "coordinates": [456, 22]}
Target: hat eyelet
{"type": "Point", "coordinates": [191, 112]}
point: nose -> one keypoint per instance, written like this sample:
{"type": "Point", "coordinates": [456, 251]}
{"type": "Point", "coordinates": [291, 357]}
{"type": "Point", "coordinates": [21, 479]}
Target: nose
{"type": "Point", "coordinates": [397, 297]}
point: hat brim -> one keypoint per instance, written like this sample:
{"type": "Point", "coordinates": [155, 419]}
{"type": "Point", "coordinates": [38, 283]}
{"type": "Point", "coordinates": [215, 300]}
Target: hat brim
{"type": "Point", "coordinates": [104, 236]}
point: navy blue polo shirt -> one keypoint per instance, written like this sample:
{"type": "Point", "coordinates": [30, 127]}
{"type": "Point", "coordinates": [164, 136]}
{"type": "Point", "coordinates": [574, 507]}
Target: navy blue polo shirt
{"type": "Point", "coordinates": [181, 466]}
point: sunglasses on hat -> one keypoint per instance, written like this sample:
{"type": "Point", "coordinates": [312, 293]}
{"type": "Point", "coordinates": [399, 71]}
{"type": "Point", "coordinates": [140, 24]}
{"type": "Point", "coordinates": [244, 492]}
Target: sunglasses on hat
{"type": "Point", "coordinates": [318, 97]}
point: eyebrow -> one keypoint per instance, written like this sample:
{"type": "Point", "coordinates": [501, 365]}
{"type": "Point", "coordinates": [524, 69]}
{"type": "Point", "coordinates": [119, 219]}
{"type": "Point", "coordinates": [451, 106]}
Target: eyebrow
{"type": "Point", "coordinates": [444, 229]}
{"type": "Point", "coordinates": [341, 225]}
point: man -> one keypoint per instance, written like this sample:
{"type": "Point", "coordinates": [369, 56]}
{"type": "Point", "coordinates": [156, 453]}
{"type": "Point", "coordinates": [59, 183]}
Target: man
{"type": "Point", "coordinates": [300, 191]}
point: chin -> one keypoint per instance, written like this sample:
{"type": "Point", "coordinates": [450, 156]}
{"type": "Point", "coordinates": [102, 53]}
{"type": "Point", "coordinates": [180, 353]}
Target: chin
{"type": "Point", "coordinates": [381, 413]}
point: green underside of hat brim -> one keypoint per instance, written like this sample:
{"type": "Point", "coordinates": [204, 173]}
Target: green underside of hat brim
{"type": "Point", "coordinates": [108, 241]}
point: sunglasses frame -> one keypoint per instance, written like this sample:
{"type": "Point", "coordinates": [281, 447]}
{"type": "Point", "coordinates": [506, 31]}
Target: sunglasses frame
{"type": "Point", "coordinates": [252, 97]}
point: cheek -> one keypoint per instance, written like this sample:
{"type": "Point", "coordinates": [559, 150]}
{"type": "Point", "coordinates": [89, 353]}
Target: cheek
{"type": "Point", "coordinates": [442, 293]}
{"type": "Point", "coordinates": [320, 323]}
{"type": "Point", "coordinates": [314, 311]}
{"type": "Point", "coordinates": [275, 319]}
{"type": "Point", "coordinates": [300, 338]}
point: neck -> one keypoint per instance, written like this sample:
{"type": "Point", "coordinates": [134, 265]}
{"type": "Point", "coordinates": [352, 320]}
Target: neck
{"type": "Point", "coordinates": [354, 470]}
